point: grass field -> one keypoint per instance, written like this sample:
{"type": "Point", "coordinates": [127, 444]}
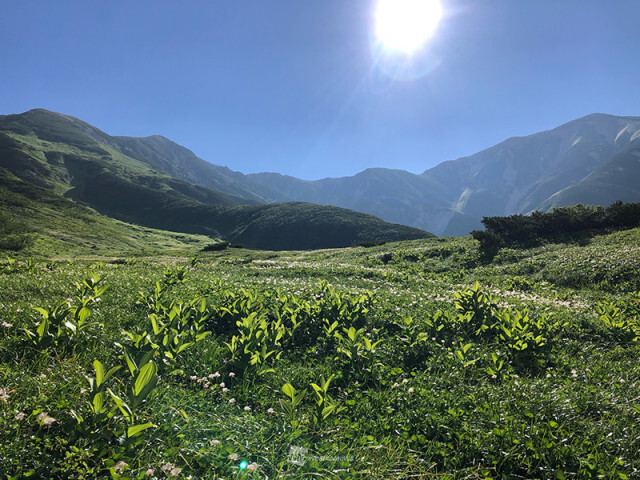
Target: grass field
{"type": "Point", "coordinates": [405, 360]}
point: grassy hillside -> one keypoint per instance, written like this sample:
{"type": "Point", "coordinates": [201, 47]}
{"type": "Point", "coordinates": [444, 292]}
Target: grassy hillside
{"type": "Point", "coordinates": [388, 362]}
{"type": "Point", "coordinates": [36, 222]}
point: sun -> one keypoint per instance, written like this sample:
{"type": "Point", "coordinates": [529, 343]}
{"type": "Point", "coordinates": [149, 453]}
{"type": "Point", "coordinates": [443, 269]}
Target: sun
{"type": "Point", "coordinates": [405, 25]}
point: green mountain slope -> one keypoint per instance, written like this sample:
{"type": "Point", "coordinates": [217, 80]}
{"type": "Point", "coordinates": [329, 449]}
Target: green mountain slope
{"type": "Point", "coordinates": [60, 152]}
{"type": "Point", "coordinates": [171, 159]}
{"type": "Point", "coordinates": [119, 177]}
{"type": "Point", "coordinates": [36, 221]}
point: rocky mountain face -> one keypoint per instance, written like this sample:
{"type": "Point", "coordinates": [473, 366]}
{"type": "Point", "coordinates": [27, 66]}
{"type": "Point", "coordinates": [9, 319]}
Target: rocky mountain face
{"type": "Point", "coordinates": [592, 160]}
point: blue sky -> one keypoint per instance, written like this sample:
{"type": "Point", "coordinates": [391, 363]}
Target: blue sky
{"type": "Point", "coordinates": [300, 88]}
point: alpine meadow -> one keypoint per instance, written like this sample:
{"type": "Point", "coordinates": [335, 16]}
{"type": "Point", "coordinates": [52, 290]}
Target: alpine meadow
{"type": "Point", "coordinates": [417, 359]}
{"type": "Point", "coordinates": [331, 240]}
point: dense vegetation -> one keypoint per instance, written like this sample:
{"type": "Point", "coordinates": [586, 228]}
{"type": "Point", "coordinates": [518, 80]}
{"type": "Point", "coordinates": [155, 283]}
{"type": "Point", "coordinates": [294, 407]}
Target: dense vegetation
{"type": "Point", "coordinates": [559, 224]}
{"type": "Point", "coordinates": [406, 360]}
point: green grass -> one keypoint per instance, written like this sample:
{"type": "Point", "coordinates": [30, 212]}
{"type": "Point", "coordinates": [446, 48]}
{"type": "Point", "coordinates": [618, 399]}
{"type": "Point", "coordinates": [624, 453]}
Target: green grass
{"type": "Point", "coordinates": [37, 223]}
{"type": "Point", "coordinates": [430, 400]}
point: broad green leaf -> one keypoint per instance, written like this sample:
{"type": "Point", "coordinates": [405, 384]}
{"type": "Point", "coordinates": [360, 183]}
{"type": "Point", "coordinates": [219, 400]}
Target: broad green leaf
{"type": "Point", "coordinates": [98, 400]}
{"type": "Point", "coordinates": [288, 390]}
{"type": "Point", "coordinates": [146, 357]}
{"type": "Point", "coordinates": [83, 314]}
{"type": "Point", "coordinates": [351, 333]}
{"type": "Point", "coordinates": [99, 372]}
{"type": "Point", "coordinates": [44, 313]}
{"type": "Point", "coordinates": [136, 429]}
{"type": "Point", "coordinates": [43, 328]}
{"type": "Point", "coordinates": [131, 364]}
{"type": "Point", "coordinates": [202, 335]}
{"type": "Point", "coordinates": [183, 346]}
{"type": "Point", "coordinates": [124, 408]}
{"type": "Point", "coordinates": [146, 377]}
{"type": "Point", "coordinates": [325, 384]}
{"type": "Point", "coordinates": [154, 323]}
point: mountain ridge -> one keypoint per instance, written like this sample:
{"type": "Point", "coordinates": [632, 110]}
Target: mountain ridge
{"type": "Point", "coordinates": [145, 181]}
{"type": "Point", "coordinates": [517, 176]}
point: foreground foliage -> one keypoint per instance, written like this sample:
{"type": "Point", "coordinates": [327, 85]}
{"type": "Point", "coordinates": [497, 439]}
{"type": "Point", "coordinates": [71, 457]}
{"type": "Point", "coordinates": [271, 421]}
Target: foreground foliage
{"type": "Point", "coordinates": [407, 360]}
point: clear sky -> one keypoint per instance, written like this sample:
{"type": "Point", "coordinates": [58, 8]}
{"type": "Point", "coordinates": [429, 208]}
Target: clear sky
{"type": "Point", "coordinates": [303, 88]}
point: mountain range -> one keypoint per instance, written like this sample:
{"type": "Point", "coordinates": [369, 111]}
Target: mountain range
{"type": "Point", "coordinates": [154, 182]}
{"type": "Point", "coordinates": [594, 160]}
{"type": "Point", "coordinates": [49, 158]}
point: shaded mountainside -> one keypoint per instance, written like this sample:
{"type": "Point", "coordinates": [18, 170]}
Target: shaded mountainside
{"type": "Point", "coordinates": [146, 181]}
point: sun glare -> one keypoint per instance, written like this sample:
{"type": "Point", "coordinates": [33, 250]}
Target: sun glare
{"type": "Point", "coordinates": [405, 25]}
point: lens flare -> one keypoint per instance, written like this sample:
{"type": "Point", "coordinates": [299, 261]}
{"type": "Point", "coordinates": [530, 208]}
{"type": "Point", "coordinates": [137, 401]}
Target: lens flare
{"type": "Point", "coordinates": [405, 25]}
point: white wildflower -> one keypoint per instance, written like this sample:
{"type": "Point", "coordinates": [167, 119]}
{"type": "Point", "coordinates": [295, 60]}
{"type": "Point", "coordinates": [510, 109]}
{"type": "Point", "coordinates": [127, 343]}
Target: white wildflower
{"type": "Point", "coordinates": [46, 419]}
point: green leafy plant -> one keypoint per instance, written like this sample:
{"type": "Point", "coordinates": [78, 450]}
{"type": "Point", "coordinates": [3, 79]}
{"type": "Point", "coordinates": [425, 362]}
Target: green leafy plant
{"type": "Point", "coordinates": [291, 402]}
{"type": "Point", "coordinates": [257, 341]}
{"type": "Point", "coordinates": [143, 382]}
{"type": "Point", "coordinates": [620, 319]}
{"type": "Point", "coordinates": [325, 405]}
